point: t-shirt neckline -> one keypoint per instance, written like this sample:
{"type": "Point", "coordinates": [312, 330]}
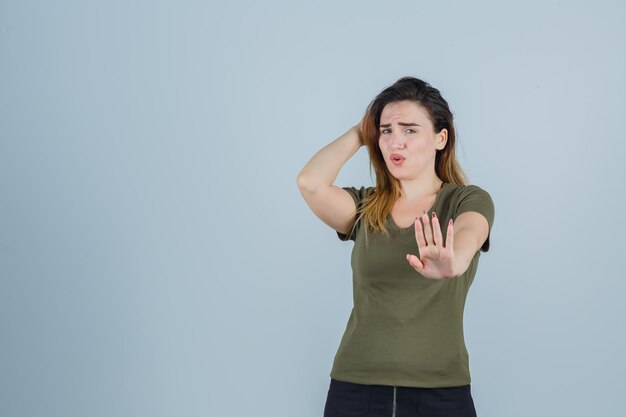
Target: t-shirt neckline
{"type": "Point", "coordinates": [429, 211]}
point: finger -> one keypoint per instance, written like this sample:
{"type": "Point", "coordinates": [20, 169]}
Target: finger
{"type": "Point", "coordinates": [428, 231]}
{"type": "Point", "coordinates": [419, 234]}
{"type": "Point", "coordinates": [437, 231]}
{"type": "Point", "coordinates": [415, 262]}
{"type": "Point", "coordinates": [450, 235]}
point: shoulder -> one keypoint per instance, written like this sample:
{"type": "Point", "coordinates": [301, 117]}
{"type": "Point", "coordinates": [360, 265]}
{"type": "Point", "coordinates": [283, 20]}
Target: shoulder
{"type": "Point", "coordinates": [359, 194]}
{"type": "Point", "coordinates": [462, 192]}
{"type": "Point", "coordinates": [472, 197]}
{"type": "Point", "coordinates": [467, 189]}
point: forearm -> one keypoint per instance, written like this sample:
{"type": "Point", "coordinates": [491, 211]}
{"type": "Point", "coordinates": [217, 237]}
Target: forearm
{"type": "Point", "coordinates": [323, 168]}
{"type": "Point", "coordinates": [465, 247]}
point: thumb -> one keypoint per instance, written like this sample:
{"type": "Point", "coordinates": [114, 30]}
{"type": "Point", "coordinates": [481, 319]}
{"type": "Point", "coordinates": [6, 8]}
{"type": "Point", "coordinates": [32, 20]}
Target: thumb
{"type": "Point", "coordinates": [415, 262]}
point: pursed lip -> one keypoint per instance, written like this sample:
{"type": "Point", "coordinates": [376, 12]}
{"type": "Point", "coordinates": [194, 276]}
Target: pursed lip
{"type": "Point", "coordinates": [393, 156]}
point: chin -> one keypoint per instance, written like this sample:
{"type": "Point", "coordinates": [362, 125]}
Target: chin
{"type": "Point", "coordinates": [398, 177]}
{"type": "Point", "coordinates": [394, 173]}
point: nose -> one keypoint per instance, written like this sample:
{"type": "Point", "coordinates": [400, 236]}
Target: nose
{"type": "Point", "coordinates": [397, 141]}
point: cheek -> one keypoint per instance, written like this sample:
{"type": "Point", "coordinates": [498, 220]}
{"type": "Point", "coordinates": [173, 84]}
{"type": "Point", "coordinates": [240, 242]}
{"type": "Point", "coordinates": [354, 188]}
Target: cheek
{"type": "Point", "coordinates": [421, 145]}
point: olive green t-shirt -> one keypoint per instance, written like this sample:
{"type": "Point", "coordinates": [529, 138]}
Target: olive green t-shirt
{"type": "Point", "coordinates": [405, 329]}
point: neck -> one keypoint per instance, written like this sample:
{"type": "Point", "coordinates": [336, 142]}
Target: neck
{"type": "Point", "coordinates": [419, 188]}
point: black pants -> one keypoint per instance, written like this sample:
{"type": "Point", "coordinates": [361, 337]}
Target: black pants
{"type": "Point", "coordinates": [347, 399]}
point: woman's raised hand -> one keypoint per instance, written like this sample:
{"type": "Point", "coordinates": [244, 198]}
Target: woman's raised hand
{"type": "Point", "coordinates": [436, 261]}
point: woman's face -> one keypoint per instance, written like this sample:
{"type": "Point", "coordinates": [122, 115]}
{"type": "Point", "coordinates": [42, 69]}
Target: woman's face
{"type": "Point", "coordinates": [408, 141]}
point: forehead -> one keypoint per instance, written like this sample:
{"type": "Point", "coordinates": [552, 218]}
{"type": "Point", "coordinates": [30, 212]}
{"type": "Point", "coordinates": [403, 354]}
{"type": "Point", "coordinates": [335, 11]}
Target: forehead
{"type": "Point", "coordinates": [405, 111]}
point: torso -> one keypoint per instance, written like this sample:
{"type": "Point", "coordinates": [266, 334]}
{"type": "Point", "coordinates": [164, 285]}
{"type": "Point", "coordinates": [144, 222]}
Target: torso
{"type": "Point", "coordinates": [398, 314]}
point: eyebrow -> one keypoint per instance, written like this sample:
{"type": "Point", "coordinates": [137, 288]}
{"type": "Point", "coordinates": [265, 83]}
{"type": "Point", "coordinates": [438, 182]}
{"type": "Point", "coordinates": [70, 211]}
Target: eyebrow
{"type": "Point", "coordinates": [400, 123]}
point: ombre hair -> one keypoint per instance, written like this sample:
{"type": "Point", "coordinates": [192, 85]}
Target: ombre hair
{"type": "Point", "coordinates": [378, 205]}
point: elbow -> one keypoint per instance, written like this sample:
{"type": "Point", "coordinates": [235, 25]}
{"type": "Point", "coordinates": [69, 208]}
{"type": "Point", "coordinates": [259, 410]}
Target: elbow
{"type": "Point", "coordinates": [301, 181]}
{"type": "Point", "coordinates": [311, 183]}
{"type": "Point", "coordinates": [304, 184]}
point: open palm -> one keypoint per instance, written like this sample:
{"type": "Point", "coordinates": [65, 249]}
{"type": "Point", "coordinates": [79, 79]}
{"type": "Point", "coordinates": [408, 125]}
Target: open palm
{"type": "Point", "coordinates": [436, 261]}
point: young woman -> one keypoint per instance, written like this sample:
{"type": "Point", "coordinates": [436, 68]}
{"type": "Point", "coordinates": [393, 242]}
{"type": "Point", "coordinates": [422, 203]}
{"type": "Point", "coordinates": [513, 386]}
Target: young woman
{"type": "Point", "coordinates": [417, 238]}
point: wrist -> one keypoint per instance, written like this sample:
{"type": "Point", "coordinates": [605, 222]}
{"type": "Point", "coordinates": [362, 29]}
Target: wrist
{"type": "Point", "coordinates": [460, 266]}
{"type": "Point", "coordinates": [359, 135]}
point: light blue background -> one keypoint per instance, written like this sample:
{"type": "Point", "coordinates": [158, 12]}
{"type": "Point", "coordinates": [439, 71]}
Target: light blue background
{"type": "Point", "coordinates": [157, 259]}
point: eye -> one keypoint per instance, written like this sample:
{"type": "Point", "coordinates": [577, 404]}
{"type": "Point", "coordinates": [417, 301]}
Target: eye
{"type": "Point", "coordinates": [385, 131]}
{"type": "Point", "coordinates": [410, 130]}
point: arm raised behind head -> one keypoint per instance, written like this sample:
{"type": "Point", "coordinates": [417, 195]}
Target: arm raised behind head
{"type": "Point", "coordinates": [331, 204]}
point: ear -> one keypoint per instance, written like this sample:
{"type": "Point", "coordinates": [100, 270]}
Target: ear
{"type": "Point", "coordinates": [441, 139]}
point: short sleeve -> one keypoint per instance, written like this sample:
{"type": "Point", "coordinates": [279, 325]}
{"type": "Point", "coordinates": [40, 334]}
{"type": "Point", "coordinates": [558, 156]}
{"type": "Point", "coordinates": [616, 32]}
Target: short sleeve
{"type": "Point", "coordinates": [474, 198]}
{"type": "Point", "coordinates": [358, 195]}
